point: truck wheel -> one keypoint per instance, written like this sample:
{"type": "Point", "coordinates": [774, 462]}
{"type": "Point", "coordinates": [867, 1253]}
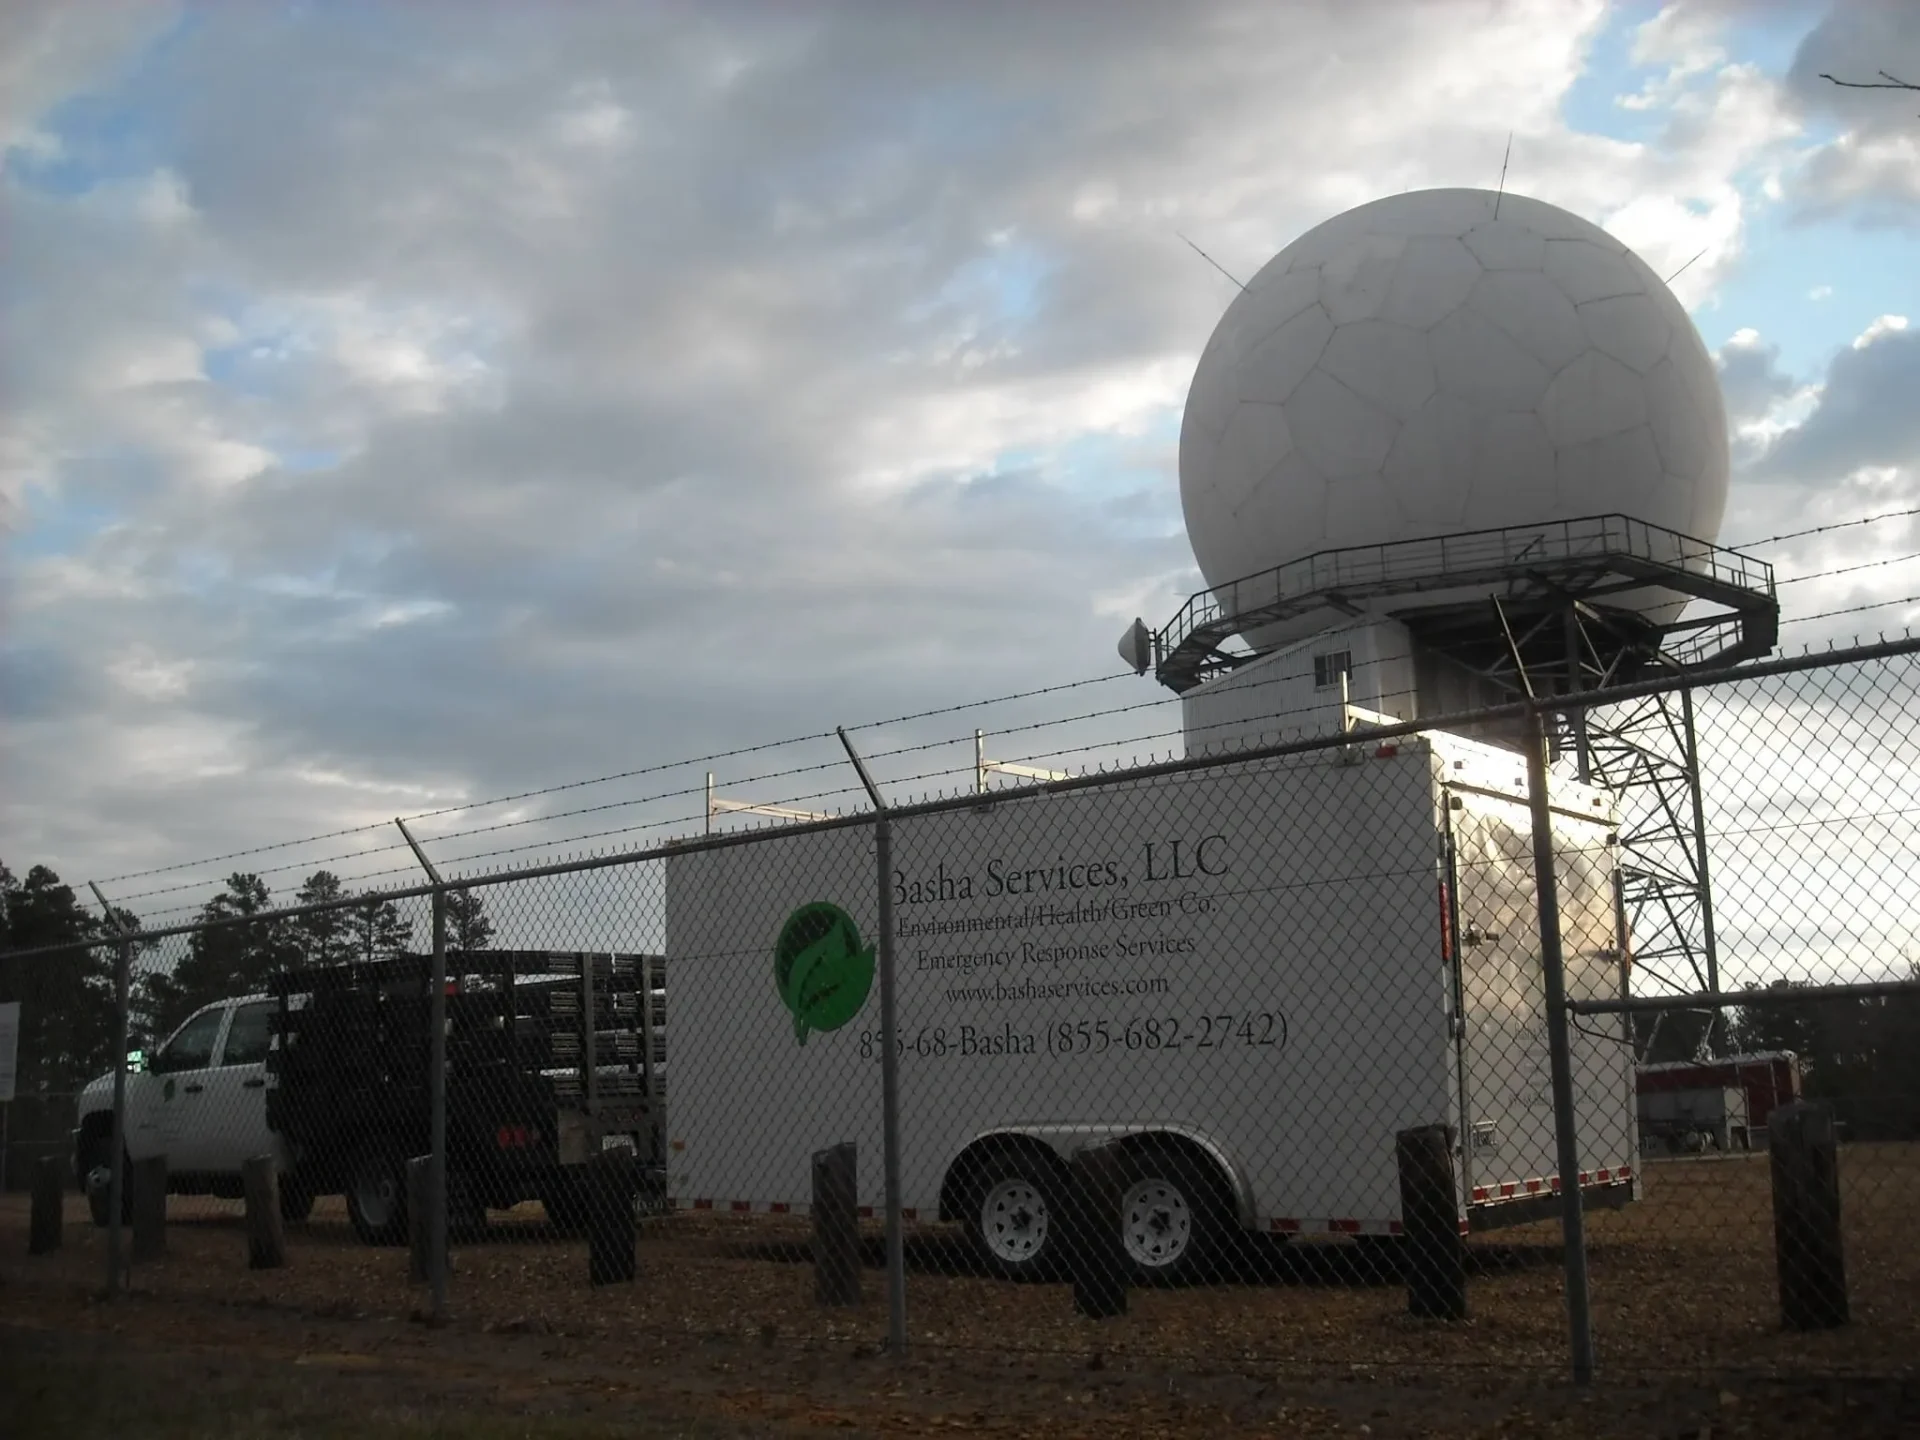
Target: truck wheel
{"type": "Point", "coordinates": [296, 1201]}
{"type": "Point", "coordinates": [566, 1208]}
{"type": "Point", "coordinates": [1011, 1215]}
{"type": "Point", "coordinates": [1171, 1221]}
{"type": "Point", "coordinates": [98, 1180]}
{"type": "Point", "coordinates": [377, 1194]}
{"type": "Point", "coordinates": [466, 1215]}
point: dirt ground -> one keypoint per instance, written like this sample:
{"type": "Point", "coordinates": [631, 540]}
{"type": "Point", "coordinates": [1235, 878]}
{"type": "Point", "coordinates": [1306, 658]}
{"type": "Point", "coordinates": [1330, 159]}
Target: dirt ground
{"type": "Point", "coordinates": [720, 1336]}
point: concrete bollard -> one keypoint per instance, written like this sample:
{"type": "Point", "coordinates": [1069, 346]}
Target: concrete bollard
{"type": "Point", "coordinates": [266, 1230]}
{"type": "Point", "coordinates": [1805, 1163]}
{"type": "Point", "coordinates": [1089, 1230]}
{"type": "Point", "coordinates": [46, 1223]}
{"type": "Point", "coordinates": [610, 1227]}
{"type": "Point", "coordinates": [419, 1226]}
{"type": "Point", "coordinates": [1435, 1259]}
{"type": "Point", "coordinates": [148, 1179]}
{"type": "Point", "coordinates": [836, 1227]}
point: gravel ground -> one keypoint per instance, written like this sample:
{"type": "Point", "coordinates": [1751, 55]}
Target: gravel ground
{"type": "Point", "coordinates": [1683, 1291]}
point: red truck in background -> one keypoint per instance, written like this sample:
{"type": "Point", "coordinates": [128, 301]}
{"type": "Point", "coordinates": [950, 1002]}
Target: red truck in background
{"type": "Point", "coordinates": [1723, 1102]}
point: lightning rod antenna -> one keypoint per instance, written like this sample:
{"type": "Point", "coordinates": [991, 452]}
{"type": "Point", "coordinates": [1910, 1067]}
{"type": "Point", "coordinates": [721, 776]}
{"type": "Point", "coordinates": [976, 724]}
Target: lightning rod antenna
{"type": "Point", "coordinates": [1677, 274]}
{"type": "Point", "coordinates": [1500, 194]}
{"type": "Point", "coordinates": [1211, 261]}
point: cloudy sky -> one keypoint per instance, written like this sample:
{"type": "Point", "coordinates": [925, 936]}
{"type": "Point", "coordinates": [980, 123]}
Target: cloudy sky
{"type": "Point", "coordinates": [406, 405]}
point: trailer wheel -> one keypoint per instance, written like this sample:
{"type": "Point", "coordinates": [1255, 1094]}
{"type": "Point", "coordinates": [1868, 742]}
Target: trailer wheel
{"type": "Point", "coordinates": [1171, 1220]}
{"type": "Point", "coordinates": [377, 1193]}
{"type": "Point", "coordinates": [1011, 1216]}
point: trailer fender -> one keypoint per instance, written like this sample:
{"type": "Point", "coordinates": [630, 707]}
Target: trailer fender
{"type": "Point", "coordinates": [1066, 1140]}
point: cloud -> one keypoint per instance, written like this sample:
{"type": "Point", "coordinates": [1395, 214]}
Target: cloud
{"type": "Point", "coordinates": [465, 398]}
{"type": "Point", "coordinates": [1750, 375]}
{"type": "Point", "coordinates": [1870, 168]}
{"type": "Point", "coordinates": [1865, 419]}
{"type": "Point", "coordinates": [53, 50]}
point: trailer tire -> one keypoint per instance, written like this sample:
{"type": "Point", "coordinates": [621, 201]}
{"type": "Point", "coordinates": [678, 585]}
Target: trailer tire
{"type": "Point", "coordinates": [1010, 1210]}
{"type": "Point", "coordinates": [377, 1193]}
{"type": "Point", "coordinates": [1173, 1220]}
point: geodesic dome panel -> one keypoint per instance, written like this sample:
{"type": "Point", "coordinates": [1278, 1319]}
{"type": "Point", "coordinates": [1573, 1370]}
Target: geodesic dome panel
{"type": "Point", "coordinates": [1419, 365]}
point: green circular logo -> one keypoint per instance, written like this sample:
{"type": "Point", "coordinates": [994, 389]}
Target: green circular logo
{"type": "Point", "coordinates": [820, 968]}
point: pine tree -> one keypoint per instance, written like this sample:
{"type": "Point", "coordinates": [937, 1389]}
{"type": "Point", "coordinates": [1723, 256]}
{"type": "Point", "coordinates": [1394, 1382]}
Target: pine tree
{"type": "Point", "coordinates": [67, 1022]}
{"type": "Point", "coordinates": [378, 928]}
{"type": "Point", "coordinates": [223, 961]}
{"type": "Point", "coordinates": [468, 927]}
{"type": "Point", "coordinates": [324, 937]}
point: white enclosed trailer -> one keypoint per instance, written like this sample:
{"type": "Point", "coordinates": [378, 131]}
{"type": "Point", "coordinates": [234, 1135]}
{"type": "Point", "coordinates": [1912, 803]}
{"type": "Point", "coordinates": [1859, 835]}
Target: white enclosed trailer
{"type": "Point", "coordinates": [1247, 975]}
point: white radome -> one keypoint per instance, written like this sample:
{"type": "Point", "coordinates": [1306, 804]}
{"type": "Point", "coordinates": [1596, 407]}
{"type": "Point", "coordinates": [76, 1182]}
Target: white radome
{"type": "Point", "coordinates": [1418, 367]}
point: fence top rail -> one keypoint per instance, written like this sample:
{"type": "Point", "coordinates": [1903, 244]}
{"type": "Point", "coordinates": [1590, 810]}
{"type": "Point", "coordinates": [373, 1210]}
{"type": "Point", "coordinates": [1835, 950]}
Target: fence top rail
{"type": "Point", "coordinates": [1746, 999]}
{"type": "Point", "coordinates": [1212, 760]}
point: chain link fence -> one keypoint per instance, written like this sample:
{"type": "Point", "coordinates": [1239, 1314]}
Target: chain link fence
{"type": "Point", "coordinates": [1278, 1055]}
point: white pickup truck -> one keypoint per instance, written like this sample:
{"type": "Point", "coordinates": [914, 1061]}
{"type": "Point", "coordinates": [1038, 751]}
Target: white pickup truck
{"type": "Point", "coordinates": [333, 1086]}
{"type": "Point", "coordinates": [200, 1100]}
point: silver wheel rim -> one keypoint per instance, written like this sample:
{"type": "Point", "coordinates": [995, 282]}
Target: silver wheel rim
{"type": "Point", "coordinates": [1156, 1224]}
{"type": "Point", "coordinates": [1013, 1218]}
{"type": "Point", "coordinates": [375, 1193]}
{"type": "Point", "coordinates": [99, 1180]}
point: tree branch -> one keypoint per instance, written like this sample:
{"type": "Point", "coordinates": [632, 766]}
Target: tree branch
{"type": "Point", "coordinates": [1885, 82]}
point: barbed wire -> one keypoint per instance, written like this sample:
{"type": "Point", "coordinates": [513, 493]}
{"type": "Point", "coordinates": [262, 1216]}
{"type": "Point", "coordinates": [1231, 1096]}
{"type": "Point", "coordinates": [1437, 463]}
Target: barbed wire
{"type": "Point", "coordinates": [814, 737]}
{"type": "Point", "coordinates": [797, 798]}
{"type": "Point", "coordinates": [1823, 529]}
{"type": "Point", "coordinates": [850, 790]}
{"type": "Point", "coordinates": [557, 843]}
{"type": "Point", "coordinates": [1849, 569]}
{"type": "Point", "coordinates": [1157, 701]}
{"type": "Point", "coordinates": [1852, 610]}
{"type": "Point", "coordinates": [715, 756]}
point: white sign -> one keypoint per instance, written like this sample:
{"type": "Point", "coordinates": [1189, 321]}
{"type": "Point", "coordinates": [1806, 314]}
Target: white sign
{"type": "Point", "coordinates": [9, 1047]}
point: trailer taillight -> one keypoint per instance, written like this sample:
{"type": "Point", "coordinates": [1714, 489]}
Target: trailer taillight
{"type": "Point", "coordinates": [516, 1137]}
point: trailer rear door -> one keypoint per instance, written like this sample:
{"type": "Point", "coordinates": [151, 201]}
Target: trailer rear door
{"type": "Point", "coordinates": [1507, 1092]}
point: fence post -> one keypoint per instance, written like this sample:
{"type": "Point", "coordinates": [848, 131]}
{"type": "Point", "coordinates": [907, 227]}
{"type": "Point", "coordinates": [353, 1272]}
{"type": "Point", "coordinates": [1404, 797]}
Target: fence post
{"type": "Point", "coordinates": [266, 1230]}
{"type": "Point", "coordinates": [1573, 1220]}
{"type": "Point", "coordinates": [437, 1116]}
{"type": "Point", "coordinates": [419, 1231]}
{"type": "Point", "coordinates": [1090, 1231]}
{"type": "Point", "coordinates": [1436, 1257]}
{"type": "Point", "coordinates": [836, 1226]}
{"type": "Point", "coordinates": [150, 1208]}
{"type": "Point", "coordinates": [1806, 1216]}
{"type": "Point", "coordinates": [889, 1062]}
{"type": "Point", "coordinates": [47, 1221]}
{"type": "Point", "coordinates": [117, 1163]}
{"type": "Point", "coordinates": [610, 1227]}
{"type": "Point", "coordinates": [436, 1090]}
